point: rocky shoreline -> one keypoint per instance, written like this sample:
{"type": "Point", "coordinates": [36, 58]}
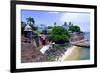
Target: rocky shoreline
{"type": "Point", "coordinates": [54, 54]}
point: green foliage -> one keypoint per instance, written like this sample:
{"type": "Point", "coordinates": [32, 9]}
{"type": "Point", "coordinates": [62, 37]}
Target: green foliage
{"type": "Point", "coordinates": [51, 58]}
{"type": "Point", "coordinates": [59, 34]}
{"type": "Point", "coordinates": [50, 27]}
{"type": "Point", "coordinates": [33, 27]}
{"type": "Point", "coordinates": [38, 32]}
{"type": "Point", "coordinates": [44, 31]}
{"type": "Point", "coordinates": [57, 46]}
{"type": "Point", "coordinates": [23, 24]}
{"type": "Point", "coordinates": [74, 28]}
{"type": "Point", "coordinates": [30, 20]}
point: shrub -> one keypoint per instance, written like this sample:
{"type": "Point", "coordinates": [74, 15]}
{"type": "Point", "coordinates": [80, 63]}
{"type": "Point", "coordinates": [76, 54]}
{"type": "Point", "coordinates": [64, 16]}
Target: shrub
{"type": "Point", "coordinates": [59, 35]}
{"type": "Point", "coordinates": [50, 27]}
{"type": "Point", "coordinates": [74, 28]}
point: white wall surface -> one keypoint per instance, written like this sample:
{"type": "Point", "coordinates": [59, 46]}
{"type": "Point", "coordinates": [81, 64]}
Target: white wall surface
{"type": "Point", "coordinates": [5, 37]}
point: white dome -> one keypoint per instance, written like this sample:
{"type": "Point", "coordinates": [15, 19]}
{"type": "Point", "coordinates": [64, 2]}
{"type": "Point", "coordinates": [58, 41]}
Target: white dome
{"type": "Point", "coordinates": [27, 28]}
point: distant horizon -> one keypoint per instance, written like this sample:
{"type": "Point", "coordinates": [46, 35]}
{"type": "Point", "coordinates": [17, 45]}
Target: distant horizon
{"type": "Point", "coordinates": [48, 18]}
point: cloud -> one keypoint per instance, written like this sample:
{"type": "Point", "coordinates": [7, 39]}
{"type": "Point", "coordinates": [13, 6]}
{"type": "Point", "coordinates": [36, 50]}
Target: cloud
{"type": "Point", "coordinates": [80, 19]}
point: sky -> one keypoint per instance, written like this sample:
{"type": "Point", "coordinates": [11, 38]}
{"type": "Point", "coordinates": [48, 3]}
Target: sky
{"type": "Point", "coordinates": [48, 18]}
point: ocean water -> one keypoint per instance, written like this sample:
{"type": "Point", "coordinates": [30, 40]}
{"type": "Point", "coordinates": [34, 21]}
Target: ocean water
{"type": "Point", "coordinates": [87, 35]}
{"type": "Point", "coordinates": [85, 52]}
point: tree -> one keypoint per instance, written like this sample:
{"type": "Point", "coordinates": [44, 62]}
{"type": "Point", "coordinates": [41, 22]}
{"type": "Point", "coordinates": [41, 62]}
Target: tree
{"type": "Point", "coordinates": [50, 27]}
{"type": "Point", "coordinates": [77, 28]}
{"type": "Point", "coordinates": [23, 24]}
{"type": "Point", "coordinates": [59, 35]}
{"type": "Point", "coordinates": [70, 23]}
{"type": "Point", "coordinates": [44, 31]}
{"type": "Point", "coordinates": [74, 28]}
{"type": "Point", "coordinates": [33, 27]}
{"type": "Point", "coordinates": [30, 20]}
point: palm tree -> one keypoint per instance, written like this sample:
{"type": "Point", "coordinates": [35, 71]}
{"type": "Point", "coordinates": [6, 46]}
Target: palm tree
{"type": "Point", "coordinates": [30, 20]}
{"type": "Point", "coordinates": [70, 24]}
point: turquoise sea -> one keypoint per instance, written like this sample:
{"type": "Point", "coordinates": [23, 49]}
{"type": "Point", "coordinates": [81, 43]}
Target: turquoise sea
{"type": "Point", "coordinates": [85, 52]}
